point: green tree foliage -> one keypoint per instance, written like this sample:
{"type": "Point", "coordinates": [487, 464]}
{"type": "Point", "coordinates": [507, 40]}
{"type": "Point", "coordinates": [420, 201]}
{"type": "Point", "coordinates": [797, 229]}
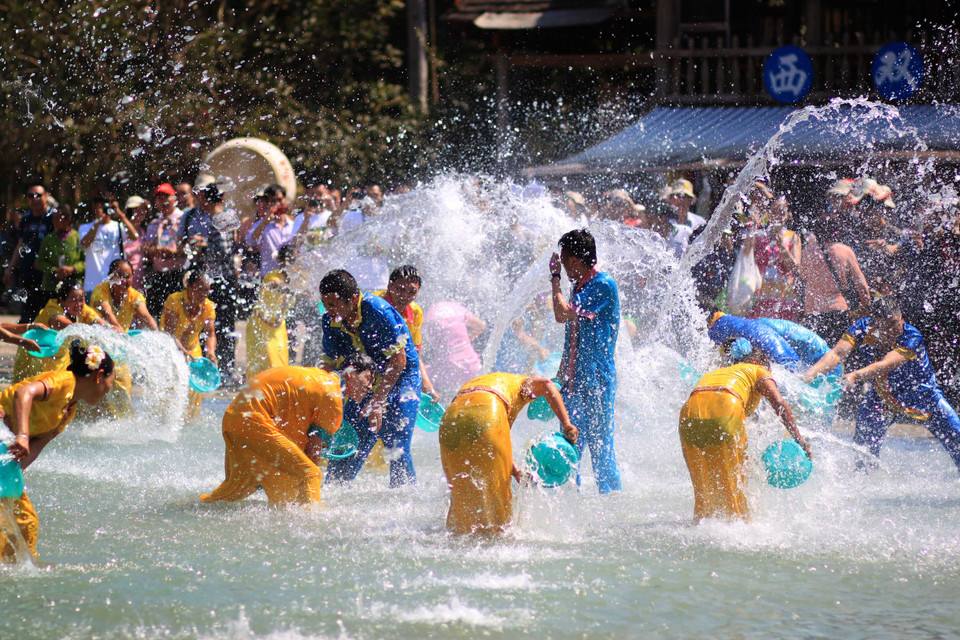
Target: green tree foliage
{"type": "Point", "coordinates": [130, 92]}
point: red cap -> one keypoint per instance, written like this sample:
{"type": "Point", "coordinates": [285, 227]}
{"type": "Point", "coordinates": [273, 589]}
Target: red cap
{"type": "Point", "coordinates": [164, 189]}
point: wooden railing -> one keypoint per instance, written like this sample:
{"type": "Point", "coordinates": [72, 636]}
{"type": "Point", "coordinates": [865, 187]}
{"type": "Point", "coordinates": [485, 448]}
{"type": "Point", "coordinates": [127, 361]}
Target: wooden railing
{"type": "Point", "coordinates": [703, 70]}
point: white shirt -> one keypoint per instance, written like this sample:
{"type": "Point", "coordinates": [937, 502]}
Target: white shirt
{"type": "Point", "coordinates": [317, 221]}
{"type": "Point", "coordinates": [352, 219]}
{"type": "Point", "coordinates": [104, 249]}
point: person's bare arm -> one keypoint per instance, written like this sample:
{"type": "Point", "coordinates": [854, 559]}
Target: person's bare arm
{"type": "Point", "coordinates": [562, 310]}
{"type": "Point", "coordinates": [475, 326]}
{"type": "Point", "coordinates": [538, 387]}
{"type": "Point", "coordinates": [837, 355]}
{"type": "Point", "coordinates": [91, 234]}
{"type": "Point", "coordinates": [19, 422]}
{"type": "Point", "coordinates": [426, 383]}
{"type": "Point", "coordinates": [143, 314]}
{"type": "Point", "coordinates": [314, 449]}
{"type": "Point", "coordinates": [210, 344]}
{"type": "Point", "coordinates": [858, 282]}
{"type": "Point", "coordinates": [768, 389]}
{"type": "Point", "coordinates": [883, 366]}
{"type": "Point", "coordinates": [106, 310]}
{"type": "Point", "coordinates": [11, 334]}
{"type": "Point", "coordinates": [169, 323]}
{"type": "Point", "coordinates": [132, 232]}
{"type": "Point", "coordinates": [392, 372]}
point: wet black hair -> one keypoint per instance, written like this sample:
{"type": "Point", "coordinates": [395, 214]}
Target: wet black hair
{"type": "Point", "coordinates": [34, 182]}
{"type": "Point", "coordinates": [194, 276]}
{"type": "Point", "coordinates": [78, 361]}
{"type": "Point", "coordinates": [885, 308]}
{"type": "Point", "coordinates": [65, 286]}
{"type": "Point", "coordinates": [580, 244]}
{"type": "Point", "coordinates": [286, 253]}
{"type": "Point", "coordinates": [116, 264]}
{"type": "Point", "coordinates": [212, 193]}
{"type": "Point", "coordinates": [339, 283]}
{"type": "Point", "coordinates": [271, 190]}
{"type": "Point", "coordinates": [406, 272]}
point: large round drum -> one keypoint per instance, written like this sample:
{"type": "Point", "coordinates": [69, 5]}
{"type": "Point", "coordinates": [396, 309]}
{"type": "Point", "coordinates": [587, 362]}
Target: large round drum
{"type": "Point", "coordinates": [244, 165]}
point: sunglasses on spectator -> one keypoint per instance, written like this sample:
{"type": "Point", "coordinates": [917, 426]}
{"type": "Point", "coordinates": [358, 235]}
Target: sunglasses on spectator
{"type": "Point", "coordinates": [34, 196]}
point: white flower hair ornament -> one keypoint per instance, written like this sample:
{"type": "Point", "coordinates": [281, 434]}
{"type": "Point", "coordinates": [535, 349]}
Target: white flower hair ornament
{"type": "Point", "coordinates": [95, 356]}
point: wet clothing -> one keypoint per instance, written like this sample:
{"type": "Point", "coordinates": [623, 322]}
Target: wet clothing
{"type": "Point", "coordinates": [265, 430]}
{"type": "Point", "coordinates": [25, 365]}
{"type": "Point", "coordinates": [380, 333]}
{"type": "Point", "coordinates": [809, 346]}
{"type": "Point", "coordinates": [714, 440]}
{"type": "Point", "coordinates": [589, 375]}
{"type": "Point", "coordinates": [267, 344]}
{"type": "Point", "coordinates": [477, 454]}
{"type": "Point", "coordinates": [777, 295]}
{"type": "Point", "coordinates": [452, 357]}
{"type": "Point", "coordinates": [48, 414]}
{"type": "Point", "coordinates": [909, 391]}
{"type": "Point", "coordinates": [59, 251]}
{"type": "Point", "coordinates": [127, 309]}
{"type": "Point", "coordinates": [412, 315]}
{"type": "Point", "coordinates": [188, 328]}
{"type": "Point", "coordinates": [724, 327]}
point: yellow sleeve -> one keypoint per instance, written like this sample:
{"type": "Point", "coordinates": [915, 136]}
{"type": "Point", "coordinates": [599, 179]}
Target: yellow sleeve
{"type": "Point", "coordinates": [909, 354]}
{"type": "Point", "coordinates": [209, 311]}
{"type": "Point", "coordinates": [849, 338]}
{"type": "Point", "coordinates": [96, 297]}
{"type": "Point", "coordinates": [136, 297]}
{"type": "Point", "coordinates": [89, 315]}
{"type": "Point", "coordinates": [416, 325]}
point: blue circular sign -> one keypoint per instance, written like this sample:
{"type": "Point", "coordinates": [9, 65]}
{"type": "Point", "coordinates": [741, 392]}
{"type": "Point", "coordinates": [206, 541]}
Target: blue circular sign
{"type": "Point", "coordinates": [788, 74]}
{"type": "Point", "coordinates": [897, 71]}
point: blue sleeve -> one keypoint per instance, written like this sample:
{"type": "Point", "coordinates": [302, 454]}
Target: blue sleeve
{"type": "Point", "coordinates": [336, 345]}
{"type": "Point", "coordinates": [596, 298]}
{"type": "Point", "coordinates": [776, 348]}
{"type": "Point", "coordinates": [857, 331]}
{"type": "Point", "coordinates": [910, 342]}
{"type": "Point", "coordinates": [385, 331]}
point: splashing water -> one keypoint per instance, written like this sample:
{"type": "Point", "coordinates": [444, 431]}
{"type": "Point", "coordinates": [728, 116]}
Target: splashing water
{"type": "Point", "coordinates": [135, 554]}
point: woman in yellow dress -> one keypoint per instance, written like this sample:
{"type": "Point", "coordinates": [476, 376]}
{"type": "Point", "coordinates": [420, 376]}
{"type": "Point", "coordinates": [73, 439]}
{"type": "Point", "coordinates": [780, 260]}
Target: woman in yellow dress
{"type": "Point", "coordinates": [59, 313]}
{"type": "Point", "coordinates": [121, 305]}
{"type": "Point", "coordinates": [118, 302]}
{"type": "Point", "coordinates": [714, 439]}
{"type": "Point", "coordinates": [476, 451]}
{"type": "Point", "coordinates": [38, 409]}
{"type": "Point", "coordinates": [267, 345]}
{"type": "Point", "coordinates": [187, 315]}
{"type": "Point", "coordinates": [270, 433]}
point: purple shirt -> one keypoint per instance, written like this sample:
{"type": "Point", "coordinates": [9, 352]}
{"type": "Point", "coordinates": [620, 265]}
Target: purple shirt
{"type": "Point", "coordinates": [273, 237]}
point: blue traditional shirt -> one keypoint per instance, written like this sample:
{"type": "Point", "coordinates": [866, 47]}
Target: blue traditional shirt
{"type": "Point", "coordinates": [590, 339]}
{"type": "Point", "coordinates": [911, 388]}
{"type": "Point", "coordinates": [725, 327]}
{"type": "Point", "coordinates": [380, 333]}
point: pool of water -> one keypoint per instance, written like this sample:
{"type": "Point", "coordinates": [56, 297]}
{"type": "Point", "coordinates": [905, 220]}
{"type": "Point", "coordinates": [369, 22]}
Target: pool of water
{"type": "Point", "coordinates": [130, 552]}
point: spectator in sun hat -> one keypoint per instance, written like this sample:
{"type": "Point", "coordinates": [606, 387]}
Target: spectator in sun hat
{"type": "Point", "coordinates": [680, 197]}
{"type": "Point", "coordinates": [139, 214]}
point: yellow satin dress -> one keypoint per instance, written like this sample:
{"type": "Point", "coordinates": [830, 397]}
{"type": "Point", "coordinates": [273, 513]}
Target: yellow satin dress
{"type": "Point", "coordinates": [49, 414]}
{"type": "Point", "coordinates": [118, 402]}
{"type": "Point", "coordinates": [714, 440]}
{"type": "Point", "coordinates": [26, 366]}
{"type": "Point", "coordinates": [265, 432]}
{"type": "Point", "coordinates": [267, 345]}
{"type": "Point", "coordinates": [187, 330]}
{"type": "Point", "coordinates": [476, 452]}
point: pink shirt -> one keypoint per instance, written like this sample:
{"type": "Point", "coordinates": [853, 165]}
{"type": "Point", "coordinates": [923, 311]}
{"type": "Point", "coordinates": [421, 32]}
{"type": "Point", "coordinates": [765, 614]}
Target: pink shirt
{"type": "Point", "coordinates": [453, 359]}
{"type": "Point", "coordinates": [163, 232]}
{"type": "Point", "coordinates": [821, 293]}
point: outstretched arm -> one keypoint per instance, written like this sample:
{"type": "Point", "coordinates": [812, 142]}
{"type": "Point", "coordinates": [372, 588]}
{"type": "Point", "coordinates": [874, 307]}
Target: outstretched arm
{"type": "Point", "coordinates": [881, 367]}
{"type": "Point", "coordinates": [768, 389]}
{"type": "Point", "coordinates": [562, 310]}
{"type": "Point", "coordinates": [538, 387]}
{"type": "Point", "coordinates": [837, 355]}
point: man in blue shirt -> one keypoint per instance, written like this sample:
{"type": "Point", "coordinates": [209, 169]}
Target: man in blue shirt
{"type": "Point", "coordinates": [903, 383]}
{"type": "Point", "coordinates": [361, 325]}
{"type": "Point", "coordinates": [588, 374]}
